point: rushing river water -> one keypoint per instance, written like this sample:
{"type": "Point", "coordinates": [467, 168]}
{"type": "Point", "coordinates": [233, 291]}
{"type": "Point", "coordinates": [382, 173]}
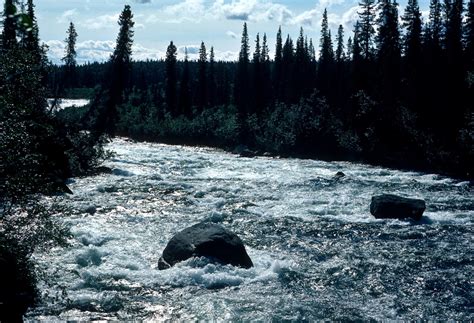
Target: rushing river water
{"type": "Point", "coordinates": [318, 253]}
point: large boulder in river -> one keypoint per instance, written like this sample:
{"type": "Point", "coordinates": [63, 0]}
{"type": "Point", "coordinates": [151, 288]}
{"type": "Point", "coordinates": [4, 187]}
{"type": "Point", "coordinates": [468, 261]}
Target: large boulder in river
{"type": "Point", "coordinates": [388, 206]}
{"type": "Point", "coordinates": [205, 240]}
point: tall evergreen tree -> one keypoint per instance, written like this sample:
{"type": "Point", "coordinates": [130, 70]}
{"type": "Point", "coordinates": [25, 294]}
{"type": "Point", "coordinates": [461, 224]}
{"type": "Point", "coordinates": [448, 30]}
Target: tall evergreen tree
{"type": "Point", "coordinates": [359, 72]}
{"type": "Point", "coordinates": [326, 56]}
{"type": "Point", "coordinates": [212, 92]}
{"type": "Point", "coordinates": [366, 25]}
{"type": "Point", "coordinates": [301, 69]}
{"type": "Point", "coordinates": [266, 72]}
{"type": "Point", "coordinates": [469, 36]}
{"type": "Point", "coordinates": [455, 75]}
{"type": "Point", "coordinates": [9, 25]}
{"type": "Point", "coordinates": [349, 48]}
{"type": "Point", "coordinates": [288, 59]}
{"type": "Point", "coordinates": [202, 78]}
{"type": "Point", "coordinates": [340, 51]}
{"type": "Point", "coordinates": [388, 50]}
{"type": "Point", "coordinates": [70, 55]}
{"type": "Point", "coordinates": [32, 34]}
{"type": "Point", "coordinates": [413, 26]}
{"type": "Point", "coordinates": [184, 89]}
{"type": "Point", "coordinates": [278, 69]}
{"type": "Point", "coordinates": [435, 26]}
{"type": "Point", "coordinates": [119, 73]}
{"type": "Point", "coordinates": [241, 89]}
{"type": "Point", "coordinates": [257, 87]}
{"type": "Point", "coordinates": [412, 47]}
{"type": "Point", "coordinates": [171, 79]}
{"type": "Point", "coordinates": [312, 51]}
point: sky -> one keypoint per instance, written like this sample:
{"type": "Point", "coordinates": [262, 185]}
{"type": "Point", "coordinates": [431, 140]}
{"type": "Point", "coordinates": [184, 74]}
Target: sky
{"type": "Point", "coordinates": [217, 23]}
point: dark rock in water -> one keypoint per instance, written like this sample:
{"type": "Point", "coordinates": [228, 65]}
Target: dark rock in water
{"type": "Point", "coordinates": [91, 209]}
{"type": "Point", "coordinates": [244, 151]}
{"type": "Point", "coordinates": [389, 206]}
{"type": "Point", "coordinates": [205, 240]}
{"type": "Point", "coordinates": [103, 170]}
{"type": "Point", "coordinates": [339, 175]}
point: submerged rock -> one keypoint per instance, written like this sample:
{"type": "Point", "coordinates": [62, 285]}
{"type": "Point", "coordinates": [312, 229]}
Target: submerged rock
{"type": "Point", "coordinates": [339, 175]}
{"type": "Point", "coordinates": [388, 206]}
{"type": "Point", "coordinates": [91, 209]}
{"type": "Point", "coordinates": [205, 240]}
{"type": "Point", "coordinates": [244, 151]}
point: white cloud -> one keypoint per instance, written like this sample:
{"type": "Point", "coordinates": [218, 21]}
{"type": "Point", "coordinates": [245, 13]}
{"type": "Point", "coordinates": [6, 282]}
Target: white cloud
{"type": "Point", "coordinates": [67, 16]}
{"type": "Point", "coordinates": [232, 34]}
{"type": "Point", "coordinates": [87, 51]}
{"type": "Point", "coordinates": [100, 51]}
{"type": "Point", "coordinates": [188, 10]}
{"type": "Point", "coordinates": [245, 10]}
{"type": "Point", "coordinates": [101, 22]}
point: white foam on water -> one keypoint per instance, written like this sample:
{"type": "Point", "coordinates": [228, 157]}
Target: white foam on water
{"type": "Point", "coordinates": [157, 190]}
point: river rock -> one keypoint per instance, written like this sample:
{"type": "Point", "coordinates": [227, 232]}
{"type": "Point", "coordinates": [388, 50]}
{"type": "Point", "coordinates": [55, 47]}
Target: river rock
{"type": "Point", "coordinates": [388, 206]}
{"type": "Point", "coordinates": [244, 151]}
{"type": "Point", "coordinates": [339, 175]}
{"type": "Point", "coordinates": [205, 240]}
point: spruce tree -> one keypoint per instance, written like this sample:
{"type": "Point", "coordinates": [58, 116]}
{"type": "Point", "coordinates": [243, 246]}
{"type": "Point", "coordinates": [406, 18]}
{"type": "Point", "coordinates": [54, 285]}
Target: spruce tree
{"type": "Point", "coordinates": [9, 25]}
{"type": "Point", "coordinates": [435, 26]}
{"type": "Point", "coordinates": [119, 73]}
{"type": "Point", "coordinates": [326, 57]}
{"type": "Point", "coordinates": [455, 75]}
{"type": "Point", "coordinates": [312, 51]}
{"type": "Point", "coordinates": [171, 79]}
{"type": "Point", "coordinates": [340, 51]}
{"type": "Point", "coordinates": [469, 36]}
{"type": "Point", "coordinates": [388, 50]}
{"type": "Point", "coordinates": [300, 76]}
{"type": "Point", "coordinates": [413, 26]}
{"type": "Point", "coordinates": [412, 47]}
{"type": "Point", "coordinates": [266, 72]}
{"type": "Point", "coordinates": [288, 58]}
{"type": "Point", "coordinates": [184, 89]}
{"type": "Point", "coordinates": [212, 92]}
{"type": "Point", "coordinates": [241, 89]}
{"type": "Point", "coordinates": [32, 35]}
{"type": "Point", "coordinates": [358, 69]}
{"type": "Point", "coordinates": [70, 55]}
{"type": "Point", "coordinates": [257, 87]}
{"type": "Point", "coordinates": [366, 25]}
{"type": "Point", "coordinates": [278, 69]}
{"type": "Point", "coordinates": [349, 48]}
{"type": "Point", "coordinates": [202, 78]}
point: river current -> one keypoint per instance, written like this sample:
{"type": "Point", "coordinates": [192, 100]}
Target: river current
{"type": "Point", "coordinates": [317, 250]}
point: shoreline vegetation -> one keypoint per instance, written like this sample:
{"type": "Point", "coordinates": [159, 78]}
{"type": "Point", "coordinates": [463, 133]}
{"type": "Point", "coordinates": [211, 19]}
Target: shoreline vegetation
{"type": "Point", "coordinates": [38, 153]}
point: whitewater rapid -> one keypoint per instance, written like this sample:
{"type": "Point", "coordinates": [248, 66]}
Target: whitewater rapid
{"type": "Point", "coordinates": [318, 253]}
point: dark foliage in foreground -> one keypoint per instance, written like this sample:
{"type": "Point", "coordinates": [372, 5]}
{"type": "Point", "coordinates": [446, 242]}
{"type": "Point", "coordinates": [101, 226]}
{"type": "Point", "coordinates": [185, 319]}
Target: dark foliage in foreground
{"type": "Point", "coordinates": [38, 152]}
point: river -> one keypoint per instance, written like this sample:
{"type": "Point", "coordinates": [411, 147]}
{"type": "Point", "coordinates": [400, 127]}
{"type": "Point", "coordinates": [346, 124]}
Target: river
{"type": "Point", "coordinates": [318, 253]}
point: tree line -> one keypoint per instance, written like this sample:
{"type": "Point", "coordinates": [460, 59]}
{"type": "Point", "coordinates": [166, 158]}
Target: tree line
{"type": "Point", "coordinates": [398, 94]}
